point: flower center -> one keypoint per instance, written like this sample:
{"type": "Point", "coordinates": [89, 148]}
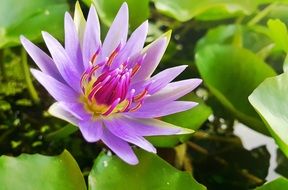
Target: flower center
{"type": "Point", "coordinates": [107, 90]}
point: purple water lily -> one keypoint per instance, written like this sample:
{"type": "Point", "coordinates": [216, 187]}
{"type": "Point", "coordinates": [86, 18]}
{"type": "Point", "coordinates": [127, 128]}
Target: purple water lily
{"type": "Point", "coordinates": [107, 89]}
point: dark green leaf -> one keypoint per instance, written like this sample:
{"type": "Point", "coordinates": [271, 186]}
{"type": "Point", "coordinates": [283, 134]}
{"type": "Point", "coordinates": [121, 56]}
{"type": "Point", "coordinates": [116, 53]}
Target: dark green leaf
{"type": "Point", "coordinates": [184, 10]}
{"type": "Point", "coordinates": [138, 11]}
{"type": "Point", "coordinates": [231, 74]}
{"type": "Point", "coordinates": [253, 38]}
{"type": "Point", "coordinates": [30, 17]}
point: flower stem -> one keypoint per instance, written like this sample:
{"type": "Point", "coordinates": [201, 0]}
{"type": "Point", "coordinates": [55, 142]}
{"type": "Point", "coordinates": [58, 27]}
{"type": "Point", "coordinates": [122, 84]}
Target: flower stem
{"type": "Point", "coordinates": [261, 15]}
{"type": "Point", "coordinates": [25, 68]}
{"type": "Point", "coordinates": [62, 132]}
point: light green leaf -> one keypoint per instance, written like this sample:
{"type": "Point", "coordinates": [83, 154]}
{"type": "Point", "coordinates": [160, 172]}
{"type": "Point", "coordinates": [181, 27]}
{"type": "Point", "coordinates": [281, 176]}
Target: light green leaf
{"type": "Point", "coordinates": [109, 172]}
{"type": "Point", "coordinates": [280, 183]}
{"type": "Point", "coordinates": [191, 119]}
{"type": "Point", "coordinates": [184, 10]}
{"type": "Point", "coordinates": [30, 17]}
{"type": "Point", "coordinates": [231, 74]}
{"type": "Point", "coordinates": [270, 100]}
{"type": "Point", "coordinates": [278, 33]}
{"type": "Point", "coordinates": [138, 11]}
{"type": "Point", "coordinates": [34, 172]}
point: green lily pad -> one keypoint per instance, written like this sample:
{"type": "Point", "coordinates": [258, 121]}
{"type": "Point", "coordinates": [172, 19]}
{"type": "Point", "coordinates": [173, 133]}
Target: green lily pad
{"type": "Point", "coordinates": [270, 100]}
{"type": "Point", "coordinates": [280, 183]}
{"type": "Point", "coordinates": [231, 74]}
{"type": "Point", "coordinates": [109, 172]}
{"type": "Point", "coordinates": [253, 37]}
{"type": "Point", "coordinates": [34, 172]}
{"type": "Point", "coordinates": [184, 10]}
{"type": "Point", "coordinates": [30, 17]}
{"type": "Point", "coordinates": [107, 10]}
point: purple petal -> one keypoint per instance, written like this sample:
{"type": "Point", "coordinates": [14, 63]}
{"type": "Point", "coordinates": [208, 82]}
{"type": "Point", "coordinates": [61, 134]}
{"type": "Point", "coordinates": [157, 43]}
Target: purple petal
{"type": "Point", "coordinates": [123, 132]}
{"type": "Point", "coordinates": [57, 110]}
{"type": "Point", "coordinates": [165, 77]}
{"type": "Point", "coordinates": [154, 110]}
{"type": "Point", "coordinates": [63, 62]}
{"type": "Point", "coordinates": [43, 61]}
{"type": "Point", "coordinates": [91, 41]}
{"type": "Point", "coordinates": [150, 127]}
{"type": "Point", "coordinates": [174, 90]}
{"type": "Point", "coordinates": [158, 81]}
{"type": "Point", "coordinates": [58, 90]}
{"type": "Point", "coordinates": [154, 53]}
{"type": "Point", "coordinates": [134, 45]}
{"type": "Point", "coordinates": [117, 33]}
{"type": "Point", "coordinates": [77, 109]}
{"type": "Point", "coordinates": [119, 147]}
{"type": "Point", "coordinates": [72, 45]}
{"type": "Point", "coordinates": [91, 130]}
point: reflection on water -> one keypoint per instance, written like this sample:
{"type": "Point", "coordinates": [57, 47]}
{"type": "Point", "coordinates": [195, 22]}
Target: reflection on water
{"type": "Point", "coordinates": [252, 139]}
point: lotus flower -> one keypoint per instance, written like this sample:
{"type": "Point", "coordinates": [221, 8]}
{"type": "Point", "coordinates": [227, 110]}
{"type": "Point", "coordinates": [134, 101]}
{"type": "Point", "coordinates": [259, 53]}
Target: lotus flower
{"type": "Point", "coordinates": [107, 89]}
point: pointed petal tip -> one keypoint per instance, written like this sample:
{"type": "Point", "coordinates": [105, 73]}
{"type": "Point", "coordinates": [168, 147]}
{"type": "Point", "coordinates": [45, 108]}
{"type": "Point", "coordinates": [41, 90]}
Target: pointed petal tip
{"type": "Point", "coordinates": [184, 66]}
{"type": "Point", "coordinates": [144, 25]}
{"type": "Point", "coordinates": [66, 14]}
{"type": "Point", "coordinates": [124, 9]}
{"type": "Point", "coordinates": [194, 104]}
{"type": "Point", "coordinates": [166, 37]}
{"type": "Point", "coordinates": [77, 4]}
{"type": "Point", "coordinates": [33, 71]}
{"type": "Point", "coordinates": [45, 34]}
{"type": "Point", "coordinates": [181, 68]}
{"type": "Point", "coordinates": [197, 81]}
{"type": "Point", "coordinates": [146, 22]}
{"type": "Point", "coordinates": [92, 8]}
{"type": "Point", "coordinates": [124, 6]}
{"type": "Point", "coordinates": [78, 11]}
{"type": "Point", "coordinates": [153, 150]}
{"type": "Point", "coordinates": [23, 39]}
{"type": "Point", "coordinates": [184, 131]}
{"type": "Point", "coordinates": [132, 161]}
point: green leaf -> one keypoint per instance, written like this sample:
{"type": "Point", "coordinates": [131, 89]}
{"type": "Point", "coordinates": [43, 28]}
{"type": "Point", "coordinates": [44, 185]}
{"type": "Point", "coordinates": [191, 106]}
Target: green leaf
{"type": "Point", "coordinates": [253, 37]}
{"type": "Point", "coordinates": [29, 18]}
{"type": "Point", "coordinates": [184, 10]}
{"type": "Point", "coordinates": [269, 99]}
{"type": "Point", "coordinates": [231, 74]}
{"type": "Point", "coordinates": [138, 11]}
{"type": "Point", "coordinates": [109, 172]}
{"type": "Point", "coordinates": [34, 172]}
{"type": "Point", "coordinates": [279, 11]}
{"type": "Point", "coordinates": [191, 119]}
{"type": "Point", "coordinates": [278, 33]}
{"type": "Point", "coordinates": [270, 1]}
{"type": "Point", "coordinates": [280, 183]}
